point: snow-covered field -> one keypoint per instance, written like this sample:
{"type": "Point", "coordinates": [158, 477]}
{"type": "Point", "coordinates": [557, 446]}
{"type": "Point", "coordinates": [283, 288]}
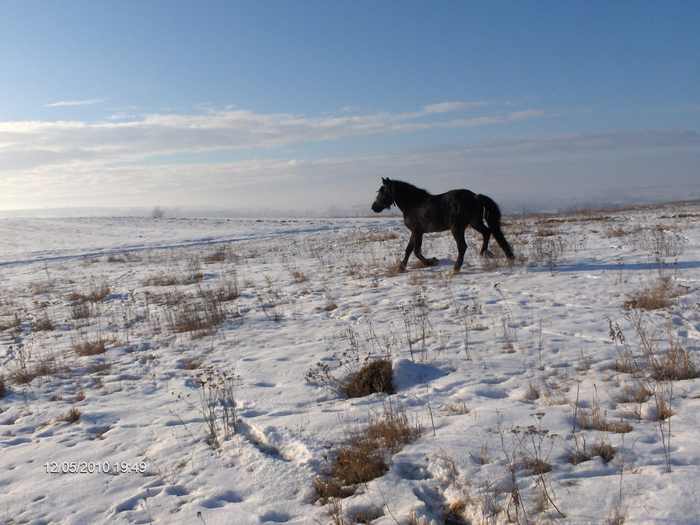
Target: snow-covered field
{"type": "Point", "coordinates": [500, 365]}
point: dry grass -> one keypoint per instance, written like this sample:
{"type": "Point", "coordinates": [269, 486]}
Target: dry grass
{"type": "Point", "coordinates": [196, 316]}
{"type": "Point", "coordinates": [327, 488]}
{"type": "Point", "coordinates": [394, 269]}
{"type": "Point", "coordinates": [578, 456]}
{"type": "Point", "coordinates": [637, 392]}
{"type": "Point", "coordinates": [228, 290]}
{"type": "Point", "coordinates": [457, 408]}
{"type": "Point", "coordinates": [674, 365]}
{"type": "Point", "coordinates": [220, 254]}
{"type": "Point", "coordinates": [364, 456]}
{"type": "Point", "coordinates": [375, 376]}
{"type": "Point", "coordinates": [96, 294]}
{"type": "Point", "coordinates": [377, 236]}
{"type": "Point", "coordinates": [605, 450]}
{"type": "Point", "coordinates": [534, 465]}
{"type": "Point", "coordinates": [359, 461]}
{"type": "Point", "coordinates": [11, 323]}
{"type": "Point", "coordinates": [72, 416]}
{"type": "Point", "coordinates": [298, 276]}
{"type": "Point", "coordinates": [532, 393]}
{"type": "Point", "coordinates": [589, 420]}
{"type": "Point", "coordinates": [619, 231]}
{"type": "Point", "coordinates": [161, 279]}
{"type": "Point", "coordinates": [657, 296]}
{"type": "Point", "coordinates": [663, 408]}
{"type": "Point", "coordinates": [594, 419]}
{"type": "Point", "coordinates": [483, 458]}
{"type": "Point", "coordinates": [42, 323]}
{"type": "Point", "coordinates": [90, 347]}
{"type": "Point", "coordinates": [191, 363]}
{"type": "Point", "coordinates": [169, 298]}
{"type": "Point", "coordinates": [42, 367]}
{"type": "Point", "coordinates": [81, 310]}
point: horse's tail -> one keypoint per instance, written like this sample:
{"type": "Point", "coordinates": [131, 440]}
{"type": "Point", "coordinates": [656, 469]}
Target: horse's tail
{"type": "Point", "coordinates": [492, 216]}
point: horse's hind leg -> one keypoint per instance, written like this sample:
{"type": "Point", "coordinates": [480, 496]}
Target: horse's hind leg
{"type": "Point", "coordinates": [409, 249]}
{"type": "Point", "coordinates": [458, 233]}
{"type": "Point", "coordinates": [486, 233]}
{"type": "Point", "coordinates": [417, 251]}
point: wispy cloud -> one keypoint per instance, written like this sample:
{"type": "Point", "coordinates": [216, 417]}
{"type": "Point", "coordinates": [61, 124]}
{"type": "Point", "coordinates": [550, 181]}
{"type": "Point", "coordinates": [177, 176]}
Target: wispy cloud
{"type": "Point", "coordinates": [520, 172]}
{"type": "Point", "coordinates": [71, 103]}
{"type": "Point", "coordinates": [32, 144]}
{"type": "Point", "coordinates": [447, 107]}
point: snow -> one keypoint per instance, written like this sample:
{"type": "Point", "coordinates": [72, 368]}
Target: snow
{"type": "Point", "coordinates": [541, 323]}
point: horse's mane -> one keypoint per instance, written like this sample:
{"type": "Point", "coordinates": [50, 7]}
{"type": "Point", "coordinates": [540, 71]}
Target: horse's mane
{"type": "Point", "coordinates": [406, 194]}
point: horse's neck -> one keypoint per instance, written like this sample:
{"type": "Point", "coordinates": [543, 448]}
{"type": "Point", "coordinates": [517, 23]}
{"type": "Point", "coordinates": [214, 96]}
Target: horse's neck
{"type": "Point", "coordinates": [410, 198]}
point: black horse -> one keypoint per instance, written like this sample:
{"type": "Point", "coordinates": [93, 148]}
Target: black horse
{"type": "Point", "coordinates": [454, 210]}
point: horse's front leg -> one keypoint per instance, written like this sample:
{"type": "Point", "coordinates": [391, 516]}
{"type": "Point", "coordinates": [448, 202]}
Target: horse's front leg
{"type": "Point", "coordinates": [417, 250]}
{"type": "Point", "coordinates": [409, 249]}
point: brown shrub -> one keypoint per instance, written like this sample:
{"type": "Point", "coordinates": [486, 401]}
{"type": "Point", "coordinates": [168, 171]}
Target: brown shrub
{"type": "Point", "coordinates": [375, 376]}
{"type": "Point", "coordinates": [72, 416]}
{"type": "Point", "coordinates": [534, 465]}
{"type": "Point", "coordinates": [298, 276]}
{"type": "Point", "coordinates": [227, 291]}
{"type": "Point", "coordinates": [377, 236]}
{"type": "Point", "coordinates": [364, 456]}
{"type": "Point", "coordinates": [392, 430]}
{"type": "Point", "coordinates": [673, 365]}
{"type": "Point", "coordinates": [191, 363]}
{"type": "Point", "coordinates": [220, 254]}
{"type": "Point", "coordinates": [605, 450]}
{"type": "Point", "coordinates": [42, 323]}
{"type": "Point", "coordinates": [81, 310]}
{"type": "Point", "coordinates": [394, 269]}
{"type": "Point", "coordinates": [95, 294]}
{"type": "Point", "coordinates": [45, 366]}
{"type": "Point", "coordinates": [87, 347]}
{"type": "Point", "coordinates": [532, 393]}
{"type": "Point", "coordinates": [635, 393]}
{"type": "Point", "coordinates": [13, 322]}
{"type": "Point", "coordinates": [161, 279]}
{"type": "Point", "coordinates": [657, 296]}
{"type": "Point", "coordinates": [359, 461]}
{"type": "Point", "coordinates": [331, 488]}
{"type": "Point", "coordinates": [197, 316]}
{"type": "Point", "coordinates": [663, 407]}
{"type": "Point", "coordinates": [594, 420]}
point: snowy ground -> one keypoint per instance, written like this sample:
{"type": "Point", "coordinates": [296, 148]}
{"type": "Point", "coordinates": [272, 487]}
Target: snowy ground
{"type": "Point", "coordinates": [538, 340]}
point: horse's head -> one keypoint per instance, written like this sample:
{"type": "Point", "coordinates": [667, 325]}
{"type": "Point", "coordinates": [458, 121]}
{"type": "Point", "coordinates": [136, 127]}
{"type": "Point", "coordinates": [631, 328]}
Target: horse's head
{"type": "Point", "coordinates": [385, 197]}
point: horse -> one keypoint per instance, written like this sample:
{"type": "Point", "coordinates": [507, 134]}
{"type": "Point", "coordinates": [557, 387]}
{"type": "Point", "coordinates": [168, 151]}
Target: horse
{"type": "Point", "coordinates": [453, 210]}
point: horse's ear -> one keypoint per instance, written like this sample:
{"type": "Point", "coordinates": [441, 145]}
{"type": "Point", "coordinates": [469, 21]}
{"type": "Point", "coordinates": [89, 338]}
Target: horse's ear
{"type": "Point", "coordinates": [385, 180]}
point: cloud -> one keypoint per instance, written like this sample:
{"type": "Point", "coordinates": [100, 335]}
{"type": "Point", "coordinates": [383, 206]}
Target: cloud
{"type": "Point", "coordinates": [130, 139]}
{"type": "Point", "coordinates": [72, 103]}
{"type": "Point", "coordinates": [530, 172]}
{"type": "Point", "coordinates": [447, 107]}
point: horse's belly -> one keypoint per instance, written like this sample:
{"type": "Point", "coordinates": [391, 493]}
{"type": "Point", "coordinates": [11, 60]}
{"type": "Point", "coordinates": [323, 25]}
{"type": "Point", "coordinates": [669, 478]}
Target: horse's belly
{"type": "Point", "coordinates": [428, 223]}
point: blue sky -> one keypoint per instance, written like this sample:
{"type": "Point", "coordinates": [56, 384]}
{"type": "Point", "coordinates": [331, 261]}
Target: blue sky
{"type": "Point", "coordinates": [304, 105]}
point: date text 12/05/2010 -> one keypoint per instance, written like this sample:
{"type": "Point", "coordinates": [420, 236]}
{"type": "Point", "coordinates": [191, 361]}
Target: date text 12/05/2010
{"type": "Point", "coordinates": [95, 467]}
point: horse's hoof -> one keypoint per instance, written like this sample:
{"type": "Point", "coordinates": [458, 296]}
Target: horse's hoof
{"type": "Point", "coordinates": [433, 261]}
{"type": "Point", "coordinates": [456, 269]}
